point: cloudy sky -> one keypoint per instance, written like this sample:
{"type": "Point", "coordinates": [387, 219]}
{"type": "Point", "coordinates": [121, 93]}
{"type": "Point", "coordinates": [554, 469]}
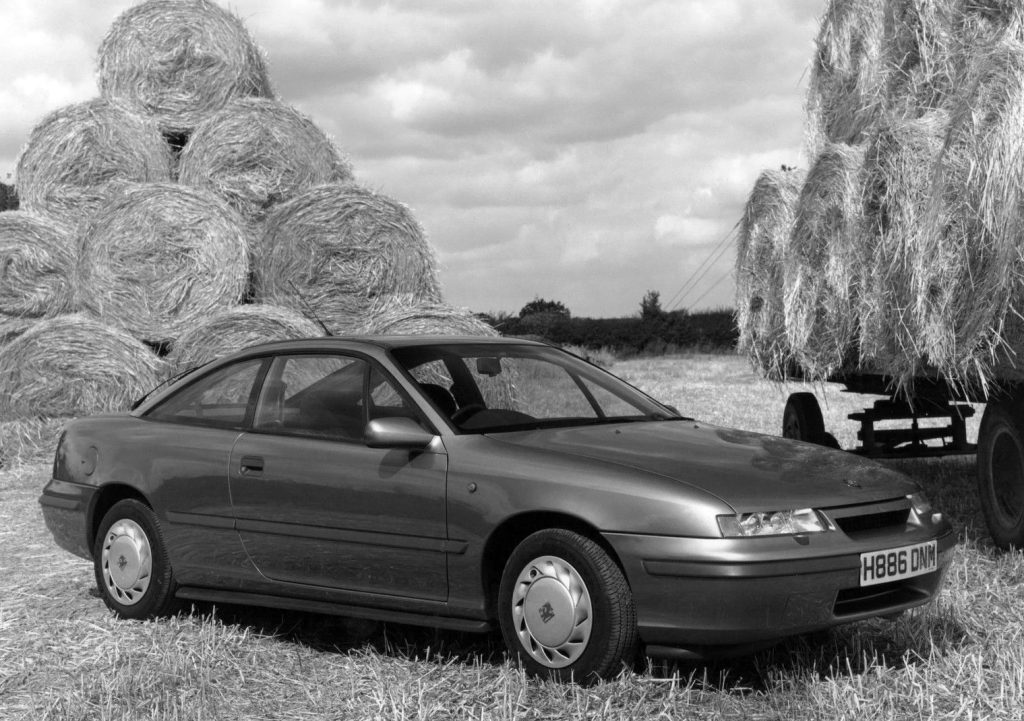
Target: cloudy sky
{"type": "Point", "coordinates": [584, 151]}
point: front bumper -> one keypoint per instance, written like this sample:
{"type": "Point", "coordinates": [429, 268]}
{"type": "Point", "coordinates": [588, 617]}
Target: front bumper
{"type": "Point", "coordinates": [65, 511]}
{"type": "Point", "coordinates": [706, 593]}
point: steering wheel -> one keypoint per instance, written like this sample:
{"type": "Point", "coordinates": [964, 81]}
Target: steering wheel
{"type": "Point", "coordinates": [465, 412]}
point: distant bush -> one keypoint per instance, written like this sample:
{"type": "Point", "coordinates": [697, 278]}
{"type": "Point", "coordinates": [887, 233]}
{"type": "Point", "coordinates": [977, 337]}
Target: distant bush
{"type": "Point", "coordinates": [713, 330]}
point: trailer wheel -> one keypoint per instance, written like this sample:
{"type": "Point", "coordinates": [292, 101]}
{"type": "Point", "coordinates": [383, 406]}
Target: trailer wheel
{"type": "Point", "coordinates": [802, 421]}
{"type": "Point", "coordinates": [1001, 470]}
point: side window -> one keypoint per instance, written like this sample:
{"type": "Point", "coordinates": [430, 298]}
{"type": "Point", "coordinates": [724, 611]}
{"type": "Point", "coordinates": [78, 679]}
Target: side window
{"type": "Point", "coordinates": [386, 401]}
{"type": "Point", "coordinates": [318, 395]}
{"type": "Point", "coordinates": [222, 399]}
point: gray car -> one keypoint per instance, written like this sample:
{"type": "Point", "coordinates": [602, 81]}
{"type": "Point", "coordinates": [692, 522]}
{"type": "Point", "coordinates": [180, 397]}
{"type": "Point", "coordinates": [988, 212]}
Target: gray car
{"type": "Point", "coordinates": [474, 483]}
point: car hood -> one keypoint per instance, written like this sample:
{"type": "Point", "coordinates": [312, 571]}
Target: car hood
{"type": "Point", "coordinates": [748, 471]}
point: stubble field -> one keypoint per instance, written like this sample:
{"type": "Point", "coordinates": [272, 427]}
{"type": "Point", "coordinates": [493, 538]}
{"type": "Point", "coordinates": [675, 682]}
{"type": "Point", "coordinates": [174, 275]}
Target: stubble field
{"type": "Point", "coordinates": [63, 656]}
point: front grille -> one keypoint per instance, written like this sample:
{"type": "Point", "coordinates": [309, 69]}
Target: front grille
{"type": "Point", "coordinates": [851, 525]}
{"type": "Point", "coordinates": [869, 518]}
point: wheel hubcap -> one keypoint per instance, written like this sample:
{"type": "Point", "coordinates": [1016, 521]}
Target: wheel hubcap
{"type": "Point", "coordinates": [127, 562]}
{"type": "Point", "coordinates": [552, 612]}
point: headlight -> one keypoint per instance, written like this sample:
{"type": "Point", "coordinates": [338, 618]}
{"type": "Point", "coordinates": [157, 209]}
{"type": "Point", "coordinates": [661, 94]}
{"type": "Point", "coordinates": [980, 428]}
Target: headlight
{"type": "Point", "coordinates": [771, 523]}
{"type": "Point", "coordinates": [920, 503]}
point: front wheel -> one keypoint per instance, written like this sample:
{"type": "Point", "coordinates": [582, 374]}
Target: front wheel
{"type": "Point", "coordinates": [1001, 471]}
{"type": "Point", "coordinates": [565, 609]}
{"type": "Point", "coordinates": [133, 572]}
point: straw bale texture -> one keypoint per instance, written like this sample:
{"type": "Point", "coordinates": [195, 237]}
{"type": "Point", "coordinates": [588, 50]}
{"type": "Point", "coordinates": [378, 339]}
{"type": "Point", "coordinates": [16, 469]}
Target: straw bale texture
{"type": "Point", "coordinates": [73, 365]}
{"type": "Point", "coordinates": [257, 152]}
{"type": "Point", "coordinates": [924, 46]}
{"type": "Point", "coordinates": [338, 249]}
{"type": "Point", "coordinates": [235, 328]}
{"type": "Point", "coordinates": [37, 255]}
{"type": "Point", "coordinates": [159, 258]}
{"type": "Point", "coordinates": [823, 262]}
{"type": "Point", "coordinates": [846, 91]}
{"type": "Point", "coordinates": [75, 153]}
{"type": "Point", "coordinates": [400, 316]}
{"type": "Point", "coordinates": [898, 170]}
{"type": "Point", "coordinates": [178, 61]}
{"type": "Point", "coordinates": [970, 275]}
{"type": "Point", "coordinates": [764, 233]}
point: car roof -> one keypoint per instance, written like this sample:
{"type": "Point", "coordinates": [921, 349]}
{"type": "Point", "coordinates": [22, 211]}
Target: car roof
{"type": "Point", "coordinates": [386, 341]}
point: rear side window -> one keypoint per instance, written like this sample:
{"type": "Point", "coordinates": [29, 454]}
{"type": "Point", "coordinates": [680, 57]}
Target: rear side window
{"type": "Point", "coordinates": [318, 395]}
{"type": "Point", "coordinates": [223, 399]}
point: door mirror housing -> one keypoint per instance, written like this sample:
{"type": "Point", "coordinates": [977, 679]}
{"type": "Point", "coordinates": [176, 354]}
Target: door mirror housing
{"type": "Point", "coordinates": [396, 432]}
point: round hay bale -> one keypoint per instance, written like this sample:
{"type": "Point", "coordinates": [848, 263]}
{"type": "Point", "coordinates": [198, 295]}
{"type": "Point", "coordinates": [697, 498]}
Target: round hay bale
{"type": "Point", "coordinates": [337, 249]}
{"type": "Point", "coordinates": [257, 152]}
{"type": "Point", "coordinates": [74, 154]}
{"type": "Point", "coordinates": [400, 316]}
{"type": "Point", "coordinates": [822, 260]}
{"type": "Point", "coordinates": [764, 233]}
{"type": "Point", "coordinates": [159, 258]}
{"type": "Point", "coordinates": [178, 61]}
{"type": "Point", "coordinates": [236, 328]}
{"type": "Point", "coordinates": [969, 280]}
{"type": "Point", "coordinates": [924, 45]}
{"type": "Point", "coordinates": [845, 95]}
{"type": "Point", "coordinates": [37, 255]}
{"type": "Point", "coordinates": [73, 365]}
{"type": "Point", "coordinates": [898, 181]}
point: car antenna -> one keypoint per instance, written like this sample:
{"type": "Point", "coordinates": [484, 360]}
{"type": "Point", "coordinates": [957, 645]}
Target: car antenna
{"type": "Point", "coordinates": [310, 311]}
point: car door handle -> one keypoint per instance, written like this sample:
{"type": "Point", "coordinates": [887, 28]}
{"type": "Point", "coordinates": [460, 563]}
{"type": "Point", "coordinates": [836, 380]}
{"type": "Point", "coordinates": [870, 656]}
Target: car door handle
{"type": "Point", "coordinates": [252, 464]}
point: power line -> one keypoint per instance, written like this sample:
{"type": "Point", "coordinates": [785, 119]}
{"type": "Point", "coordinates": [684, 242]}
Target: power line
{"type": "Point", "coordinates": [702, 270]}
{"type": "Point", "coordinates": [714, 285]}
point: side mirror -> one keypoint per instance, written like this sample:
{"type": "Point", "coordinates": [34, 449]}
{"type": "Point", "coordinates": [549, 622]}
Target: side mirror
{"type": "Point", "coordinates": [396, 432]}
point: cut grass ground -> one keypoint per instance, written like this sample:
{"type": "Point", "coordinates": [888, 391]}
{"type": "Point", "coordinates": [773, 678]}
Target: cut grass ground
{"type": "Point", "coordinates": [63, 656]}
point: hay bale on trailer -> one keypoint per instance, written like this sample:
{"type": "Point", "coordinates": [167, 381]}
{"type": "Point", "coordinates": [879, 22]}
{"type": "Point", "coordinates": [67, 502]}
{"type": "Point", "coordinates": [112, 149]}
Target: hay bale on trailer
{"type": "Point", "coordinates": [763, 239]}
{"type": "Point", "coordinates": [845, 93]}
{"type": "Point", "coordinates": [73, 365]}
{"type": "Point", "coordinates": [74, 154]}
{"type": "Point", "coordinates": [898, 169]}
{"type": "Point", "coordinates": [257, 152]}
{"type": "Point", "coordinates": [37, 255]}
{"type": "Point", "coordinates": [179, 61]}
{"type": "Point", "coordinates": [159, 258]}
{"type": "Point", "coordinates": [822, 262]}
{"type": "Point", "coordinates": [970, 270]}
{"type": "Point", "coordinates": [337, 250]}
{"type": "Point", "coordinates": [233, 329]}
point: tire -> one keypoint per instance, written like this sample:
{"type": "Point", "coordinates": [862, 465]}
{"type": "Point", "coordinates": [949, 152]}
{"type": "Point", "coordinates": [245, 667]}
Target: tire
{"type": "Point", "coordinates": [133, 572]}
{"type": "Point", "coordinates": [1001, 471]}
{"type": "Point", "coordinates": [801, 419]}
{"type": "Point", "coordinates": [565, 609]}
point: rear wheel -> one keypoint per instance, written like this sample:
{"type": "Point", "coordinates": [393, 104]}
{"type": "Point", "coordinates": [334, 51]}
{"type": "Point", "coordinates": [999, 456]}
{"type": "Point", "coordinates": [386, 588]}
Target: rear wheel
{"type": "Point", "coordinates": [565, 609]}
{"type": "Point", "coordinates": [133, 572]}
{"type": "Point", "coordinates": [1001, 470]}
{"type": "Point", "coordinates": [802, 420]}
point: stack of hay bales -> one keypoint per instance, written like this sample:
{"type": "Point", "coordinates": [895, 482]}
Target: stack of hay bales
{"type": "Point", "coordinates": [903, 256]}
{"type": "Point", "coordinates": [182, 214]}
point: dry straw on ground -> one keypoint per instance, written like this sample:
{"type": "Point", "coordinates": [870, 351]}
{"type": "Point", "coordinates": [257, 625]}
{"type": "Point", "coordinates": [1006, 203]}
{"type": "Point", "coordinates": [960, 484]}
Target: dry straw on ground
{"type": "Point", "coordinates": [969, 281]}
{"type": "Point", "coordinates": [73, 365]}
{"type": "Point", "coordinates": [160, 258]}
{"type": "Point", "coordinates": [846, 92]}
{"type": "Point", "coordinates": [236, 328]}
{"type": "Point", "coordinates": [822, 260]}
{"type": "Point", "coordinates": [336, 250]}
{"type": "Point", "coordinates": [764, 233]}
{"type": "Point", "coordinates": [258, 152]}
{"type": "Point", "coordinates": [74, 153]}
{"type": "Point", "coordinates": [179, 61]}
{"type": "Point", "coordinates": [37, 255]}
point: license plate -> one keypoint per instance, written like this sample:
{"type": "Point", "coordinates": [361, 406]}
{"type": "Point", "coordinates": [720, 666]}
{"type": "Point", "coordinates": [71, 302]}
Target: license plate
{"type": "Point", "coordinates": [895, 564]}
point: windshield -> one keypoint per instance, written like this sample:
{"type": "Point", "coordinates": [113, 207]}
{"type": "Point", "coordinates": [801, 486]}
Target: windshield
{"type": "Point", "coordinates": [492, 388]}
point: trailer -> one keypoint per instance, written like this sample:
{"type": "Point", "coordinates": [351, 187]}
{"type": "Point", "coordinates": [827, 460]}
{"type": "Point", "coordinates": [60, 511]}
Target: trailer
{"type": "Point", "coordinates": [930, 422]}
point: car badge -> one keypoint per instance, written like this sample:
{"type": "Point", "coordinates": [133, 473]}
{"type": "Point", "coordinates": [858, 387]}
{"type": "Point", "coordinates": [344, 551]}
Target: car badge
{"type": "Point", "coordinates": [851, 484]}
{"type": "Point", "coordinates": [546, 612]}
